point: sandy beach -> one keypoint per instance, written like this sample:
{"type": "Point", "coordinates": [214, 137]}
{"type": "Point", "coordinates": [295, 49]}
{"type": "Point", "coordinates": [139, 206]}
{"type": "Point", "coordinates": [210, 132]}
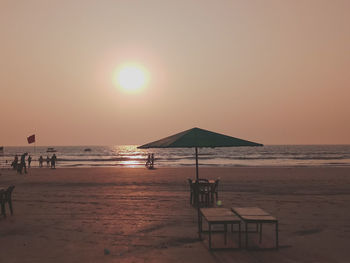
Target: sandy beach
{"type": "Point", "coordinates": [140, 215]}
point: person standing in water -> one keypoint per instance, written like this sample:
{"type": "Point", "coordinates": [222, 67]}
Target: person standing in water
{"type": "Point", "coordinates": [23, 163]}
{"type": "Point", "coordinates": [152, 160]}
{"type": "Point", "coordinates": [148, 160]}
{"type": "Point", "coordinates": [29, 161]}
{"type": "Point", "coordinates": [15, 163]}
{"type": "Point", "coordinates": [41, 160]}
{"type": "Point", "coordinates": [47, 161]}
{"type": "Point", "coordinates": [53, 161]}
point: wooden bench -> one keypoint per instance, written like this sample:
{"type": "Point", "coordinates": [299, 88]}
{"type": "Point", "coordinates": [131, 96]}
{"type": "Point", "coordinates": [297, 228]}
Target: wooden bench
{"type": "Point", "coordinates": [257, 216]}
{"type": "Point", "coordinates": [222, 216]}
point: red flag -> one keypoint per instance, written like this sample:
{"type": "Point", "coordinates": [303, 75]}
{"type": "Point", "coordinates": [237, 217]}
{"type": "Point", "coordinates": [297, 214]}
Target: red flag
{"type": "Point", "coordinates": [31, 139]}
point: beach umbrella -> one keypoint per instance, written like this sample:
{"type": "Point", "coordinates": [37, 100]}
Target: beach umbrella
{"type": "Point", "coordinates": [198, 138]}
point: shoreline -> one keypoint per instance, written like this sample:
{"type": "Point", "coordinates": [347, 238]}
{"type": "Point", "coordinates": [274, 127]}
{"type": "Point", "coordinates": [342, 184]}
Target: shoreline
{"type": "Point", "coordinates": [130, 156]}
{"type": "Point", "coordinates": [186, 167]}
{"type": "Point", "coordinates": [190, 167]}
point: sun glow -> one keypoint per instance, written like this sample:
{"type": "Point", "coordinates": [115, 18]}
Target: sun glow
{"type": "Point", "coordinates": [131, 77]}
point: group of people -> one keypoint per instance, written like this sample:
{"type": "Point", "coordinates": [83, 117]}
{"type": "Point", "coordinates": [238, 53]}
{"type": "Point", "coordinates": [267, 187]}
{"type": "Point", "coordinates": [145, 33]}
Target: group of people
{"type": "Point", "coordinates": [50, 162]}
{"type": "Point", "coordinates": [20, 164]}
{"type": "Point", "coordinates": [150, 161]}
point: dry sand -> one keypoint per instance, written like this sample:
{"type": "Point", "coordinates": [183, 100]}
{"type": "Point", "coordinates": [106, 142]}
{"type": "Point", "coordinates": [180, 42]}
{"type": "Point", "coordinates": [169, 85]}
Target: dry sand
{"type": "Point", "coordinates": [140, 215]}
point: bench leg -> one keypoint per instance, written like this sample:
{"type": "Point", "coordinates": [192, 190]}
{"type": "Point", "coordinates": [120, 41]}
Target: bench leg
{"type": "Point", "coordinates": [3, 211]}
{"type": "Point", "coordinates": [225, 229]}
{"type": "Point", "coordinates": [246, 234]}
{"type": "Point", "coordinates": [276, 235]}
{"type": "Point", "coordinates": [239, 234]}
{"type": "Point", "coordinates": [200, 226]}
{"type": "Point", "coordinates": [10, 205]}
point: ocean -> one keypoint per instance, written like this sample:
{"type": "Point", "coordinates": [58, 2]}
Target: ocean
{"type": "Point", "coordinates": [130, 156]}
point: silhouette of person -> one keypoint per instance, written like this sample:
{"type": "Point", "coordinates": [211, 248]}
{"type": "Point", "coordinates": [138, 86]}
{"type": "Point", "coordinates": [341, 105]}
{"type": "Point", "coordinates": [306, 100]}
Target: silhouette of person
{"type": "Point", "coordinates": [152, 160]}
{"type": "Point", "coordinates": [29, 161]}
{"type": "Point", "coordinates": [41, 160]}
{"type": "Point", "coordinates": [53, 161]}
{"type": "Point", "coordinates": [15, 163]}
{"type": "Point", "coordinates": [148, 162]}
{"type": "Point", "coordinates": [23, 163]}
{"type": "Point", "coordinates": [47, 161]}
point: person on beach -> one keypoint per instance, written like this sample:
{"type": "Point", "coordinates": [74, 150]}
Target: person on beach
{"type": "Point", "coordinates": [47, 161]}
{"type": "Point", "coordinates": [29, 161]}
{"type": "Point", "coordinates": [41, 160]}
{"type": "Point", "coordinates": [23, 163]}
{"type": "Point", "coordinates": [152, 160]}
{"type": "Point", "coordinates": [15, 163]}
{"type": "Point", "coordinates": [148, 162]}
{"type": "Point", "coordinates": [53, 161]}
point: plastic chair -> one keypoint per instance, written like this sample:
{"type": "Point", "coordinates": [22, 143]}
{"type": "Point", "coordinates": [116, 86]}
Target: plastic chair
{"type": "Point", "coordinates": [215, 190]}
{"type": "Point", "coordinates": [191, 191]}
{"type": "Point", "coordinates": [6, 197]}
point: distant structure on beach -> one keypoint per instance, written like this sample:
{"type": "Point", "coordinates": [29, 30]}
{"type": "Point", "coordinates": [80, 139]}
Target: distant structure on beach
{"type": "Point", "coordinates": [51, 150]}
{"type": "Point", "coordinates": [87, 150]}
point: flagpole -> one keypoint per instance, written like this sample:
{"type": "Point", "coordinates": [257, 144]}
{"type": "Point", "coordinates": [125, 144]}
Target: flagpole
{"type": "Point", "coordinates": [34, 141]}
{"type": "Point", "coordinates": [34, 148]}
{"type": "Point", "coordinates": [3, 154]}
{"type": "Point", "coordinates": [31, 139]}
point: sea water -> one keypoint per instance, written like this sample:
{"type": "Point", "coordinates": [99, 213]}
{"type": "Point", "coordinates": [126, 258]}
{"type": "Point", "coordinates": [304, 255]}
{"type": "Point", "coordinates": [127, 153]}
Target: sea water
{"type": "Point", "coordinates": [131, 156]}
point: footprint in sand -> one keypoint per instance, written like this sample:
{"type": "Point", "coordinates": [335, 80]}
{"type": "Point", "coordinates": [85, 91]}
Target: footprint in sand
{"type": "Point", "coordinates": [308, 232]}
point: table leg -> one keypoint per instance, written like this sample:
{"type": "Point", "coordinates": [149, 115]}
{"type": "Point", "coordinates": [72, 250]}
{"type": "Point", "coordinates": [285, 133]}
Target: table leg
{"type": "Point", "coordinates": [3, 209]}
{"type": "Point", "coordinates": [200, 223]}
{"type": "Point", "coordinates": [225, 229]}
{"type": "Point", "coordinates": [276, 235]}
{"type": "Point", "coordinates": [239, 234]}
{"type": "Point", "coordinates": [260, 233]}
{"type": "Point", "coordinates": [209, 225]}
{"type": "Point", "coordinates": [246, 234]}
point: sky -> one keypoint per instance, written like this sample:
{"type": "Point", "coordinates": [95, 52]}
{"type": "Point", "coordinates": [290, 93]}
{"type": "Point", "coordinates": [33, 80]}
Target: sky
{"type": "Point", "coordinates": [273, 72]}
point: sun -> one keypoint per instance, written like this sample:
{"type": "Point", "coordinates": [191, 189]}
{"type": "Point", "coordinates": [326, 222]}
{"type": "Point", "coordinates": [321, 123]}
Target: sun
{"type": "Point", "coordinates": [131, 77]}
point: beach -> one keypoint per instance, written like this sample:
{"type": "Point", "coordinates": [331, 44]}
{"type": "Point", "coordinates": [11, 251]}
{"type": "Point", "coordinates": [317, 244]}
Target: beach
{"type": "Point", "coordinates": [139, 215]}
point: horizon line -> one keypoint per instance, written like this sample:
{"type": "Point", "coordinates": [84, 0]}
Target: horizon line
{"type": "Point", "coordinates": [112, 145]}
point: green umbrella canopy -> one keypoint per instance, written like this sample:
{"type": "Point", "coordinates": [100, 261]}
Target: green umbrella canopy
{"type": "Point", "coordinates": [197, 137]}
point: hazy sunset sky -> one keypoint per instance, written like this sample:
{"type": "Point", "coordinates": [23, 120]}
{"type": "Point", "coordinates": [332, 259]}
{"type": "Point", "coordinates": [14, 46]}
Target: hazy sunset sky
{"type": "Point", "coordinates": [274, 72]}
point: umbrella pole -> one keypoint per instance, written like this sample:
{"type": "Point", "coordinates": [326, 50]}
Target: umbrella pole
{"type": "Point", "coordinates": [197, 197]}
{"type": "Point", "coordinates": [196, 163]}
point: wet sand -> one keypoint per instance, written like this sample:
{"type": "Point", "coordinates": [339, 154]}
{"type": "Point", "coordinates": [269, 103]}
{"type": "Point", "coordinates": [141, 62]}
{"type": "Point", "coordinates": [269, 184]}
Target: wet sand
{"type": "Point", "coordinates": [140, 215]}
